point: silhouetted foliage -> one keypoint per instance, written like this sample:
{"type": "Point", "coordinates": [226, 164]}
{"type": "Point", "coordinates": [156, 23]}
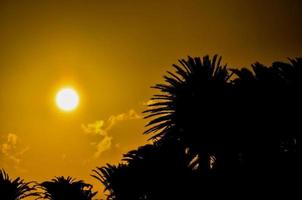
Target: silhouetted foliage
{"type": "Point", "coordinates": [217, 131]}
{"type": "Point", "coordinates": [189, 106]}
{"type": "Point", "coordinates": [274, 102]}
{"type": "Point", "coordinates": [15, 189]}
{"type": "Point", "coordinates": [150, 172]}
{"type": "Point", "coordinates": [61, 188]}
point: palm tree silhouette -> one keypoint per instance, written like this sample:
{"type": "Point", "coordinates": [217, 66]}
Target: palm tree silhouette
{"type": "Point", "coordinates": [117, 180]}
{"type": "Point", "coordinates": [273, 92]}
{"type": "Point", "coordinates": [154, 171]}
{"type": "Point", "coordinates": [220, 130]}
{"type": "Point", "coordinates": [61, 188]}
{"type": "Point", "coordinates": [197, 95]}
{"type": "Point", "coordinates": [15, 189]}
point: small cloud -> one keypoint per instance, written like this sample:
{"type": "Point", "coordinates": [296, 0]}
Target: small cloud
{"type": "Point", "coordinates": [103, 145]}
{"type": "Point", "coordinates": [95, 128]}
{"type": "Point", "coordinates": [10, 150]}
{"type": "Point", "coordinates": [149, 102]}
{"type": "Point", "coordinates": [131, 114]}
{"type": "Point", "coordinates": [102, 129]}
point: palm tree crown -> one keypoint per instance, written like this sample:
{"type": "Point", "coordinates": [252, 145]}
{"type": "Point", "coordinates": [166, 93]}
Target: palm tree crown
{"type": "Point", "coordinates": [15, 189]}
{"type": "Point", "coordinates": [61, 188]}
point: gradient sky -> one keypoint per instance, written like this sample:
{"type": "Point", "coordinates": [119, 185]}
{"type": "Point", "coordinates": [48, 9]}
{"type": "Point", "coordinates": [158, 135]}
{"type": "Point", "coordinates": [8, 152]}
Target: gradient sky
{"type": "Point", "coordinates": [112, 52]}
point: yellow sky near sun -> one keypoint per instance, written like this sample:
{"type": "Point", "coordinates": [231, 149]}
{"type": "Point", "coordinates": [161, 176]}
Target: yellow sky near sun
{"type": "Point", "coordinates": [112, 52]}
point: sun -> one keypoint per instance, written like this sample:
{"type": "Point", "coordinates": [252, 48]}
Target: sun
{"type": "Point", "coordinates": [67, 99]}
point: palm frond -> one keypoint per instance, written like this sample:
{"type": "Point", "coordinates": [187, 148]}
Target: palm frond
{"type": "Point", "coordinates": [16, 189]}
{"type": "Point", "coordinates": [66, 188]}
{"type": "Point", "coordinates": [194, 81]}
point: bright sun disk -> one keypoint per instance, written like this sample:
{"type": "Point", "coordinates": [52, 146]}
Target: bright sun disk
{"type": "Point", "coordinates": [67, 99]}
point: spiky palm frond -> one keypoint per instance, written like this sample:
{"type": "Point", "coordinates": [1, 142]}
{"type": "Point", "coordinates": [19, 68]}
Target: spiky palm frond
{"type": "Point", "coordinates": [279, 74]}
{"type": "Point", "coordinates": [276, 86]}
{"type": "Point", "coordinates": [290, 72]}
{"type": "Point", "coordinates": [116, 179]}
{"type": "Point", "coordinates": [15, 189]}
{"type": "Point", "coordinates": [146, 173]}
{"type": "Point", "coordinates": [189, 98]}
{"type": "Point", "coordinates": [61, 188]}
{"type": "Point", "coordinates": [208, 111]}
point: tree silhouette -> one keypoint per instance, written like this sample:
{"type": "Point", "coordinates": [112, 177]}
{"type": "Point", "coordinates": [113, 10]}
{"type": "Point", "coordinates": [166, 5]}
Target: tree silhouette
{"type": "Point", "coordinates": [155, 171]}
{"type": "Point", "coordinates": [273, 95]}
{"type": "Point", "coordinates": [15, 189]}
{"type": "Point", "coordinates": [61, 188]}
{"type": "Point", "coordinates": [193, 102]}
{"type": "Point", "coordinates": [220, 131]}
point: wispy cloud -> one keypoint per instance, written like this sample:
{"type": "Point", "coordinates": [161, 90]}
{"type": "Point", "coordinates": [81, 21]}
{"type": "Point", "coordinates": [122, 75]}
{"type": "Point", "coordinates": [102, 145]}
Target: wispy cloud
{"type": "Point", "coordinates": [148, 102]}
{"type": "Point", "coordinates": [10, 150]}
{"type": "Point", "coordinates": [102, 128]}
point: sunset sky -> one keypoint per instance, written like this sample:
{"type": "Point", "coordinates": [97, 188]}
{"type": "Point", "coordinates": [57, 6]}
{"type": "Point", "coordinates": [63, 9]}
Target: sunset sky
{"type": "Point", "coordinates": [111, 52]}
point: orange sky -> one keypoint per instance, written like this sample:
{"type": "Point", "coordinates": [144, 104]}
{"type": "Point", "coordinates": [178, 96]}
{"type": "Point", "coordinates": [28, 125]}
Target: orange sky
{"type": "Point", "coordinates": [112, 52]}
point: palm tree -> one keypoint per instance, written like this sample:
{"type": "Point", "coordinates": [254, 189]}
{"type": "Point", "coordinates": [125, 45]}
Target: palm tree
{"type": "Point", "coordinates": [235, 126]}
{"type": "Point", "coordinates": [193, 102]}
{"type": "Point", "coordinates": [273, 92]}
{"type": "Point", "coordinates": [117, 180]}
{"type": "Point", "coordinates": [157, 171]}
{"type": "Point", "coordinates": [218, 133]}
{"type": "Point", "coordinates": [61, 188]}
{"type": "Point", "coordinates": [15, 189]}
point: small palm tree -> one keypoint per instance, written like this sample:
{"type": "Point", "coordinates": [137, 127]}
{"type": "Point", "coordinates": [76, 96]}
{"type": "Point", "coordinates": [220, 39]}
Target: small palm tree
{"type": "Point", "coordinates": [118, 181]}
{"type": "Point", "coordinates": [15, 189]}
{"type": "Point", "coordinates": [61, 188]}
{"type": "Point", "coordinates": [148, 172]}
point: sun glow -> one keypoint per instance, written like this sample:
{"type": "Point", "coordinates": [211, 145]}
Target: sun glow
{"type": "Point", "coordinates": [67, 99]}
